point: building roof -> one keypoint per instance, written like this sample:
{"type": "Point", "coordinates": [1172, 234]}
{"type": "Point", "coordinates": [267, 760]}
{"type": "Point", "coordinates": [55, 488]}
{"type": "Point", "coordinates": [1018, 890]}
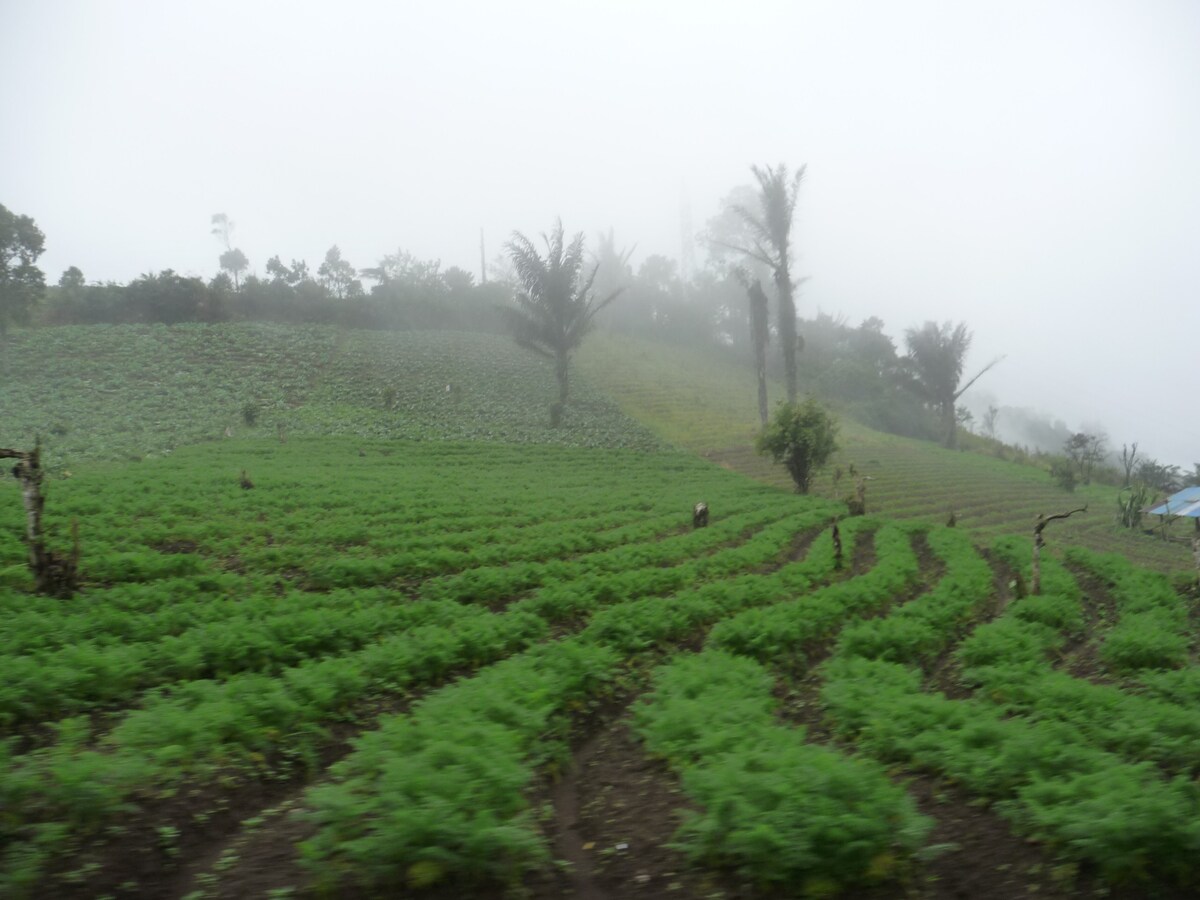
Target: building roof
{"type": "Point", "coordinates": [1183, 503]}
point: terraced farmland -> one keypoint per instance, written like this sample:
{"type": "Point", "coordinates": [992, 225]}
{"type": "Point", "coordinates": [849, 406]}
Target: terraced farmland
{"type": "Point", "coordinates": [707, 406]}
{"type": "Point", "coordinates": [433, 669]}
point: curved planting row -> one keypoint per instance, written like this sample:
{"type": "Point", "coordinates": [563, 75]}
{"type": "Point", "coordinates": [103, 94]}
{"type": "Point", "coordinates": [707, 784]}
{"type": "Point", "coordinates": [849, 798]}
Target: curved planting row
{"type": "Point", "coordinates": [1039, 743]}
{"type": "Point", "coordinates": [236, 674]}
{"type": "Point", "coordinates": [387, 818]}
{"type": "Point", "coordinates": [780, 811]}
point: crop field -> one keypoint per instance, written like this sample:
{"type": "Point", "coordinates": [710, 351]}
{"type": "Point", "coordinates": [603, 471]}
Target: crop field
{"type": "Point", "coordinates": [124, 392]}
{"type": "Point", "coordinates": [418, 668]}
{"type": "Point", "coordinates": [664, 387]}
{"type": "Point", "coordinates": [357, 621]}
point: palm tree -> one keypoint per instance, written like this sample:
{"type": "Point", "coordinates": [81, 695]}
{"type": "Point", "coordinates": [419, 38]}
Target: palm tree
{"type": "Point", "coordinates": [934, 367]}
{"type": "Point", "coordinates": [555, 307]}
{"type": "Point", "coordinates": [770, 243]}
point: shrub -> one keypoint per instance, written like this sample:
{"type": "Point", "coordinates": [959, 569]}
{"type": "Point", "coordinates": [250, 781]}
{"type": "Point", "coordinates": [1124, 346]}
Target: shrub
{"type": "Point", "coordinates": [802, 437]}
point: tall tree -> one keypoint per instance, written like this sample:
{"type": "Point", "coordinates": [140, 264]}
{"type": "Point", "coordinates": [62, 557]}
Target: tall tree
{"type": "Point", "coordinates": [934, 367]}
{"type": "Point", "coordinates": [21, 281]}
{"type": "Point", "coordinates": [235, 263]}
{"type": "Point", "coordinates": [555, 306]}
{"type": "Point", "coordinates": [233, 260]}
{"type": "Point", "coordinates": [338, 276]}
{"type": "Point", "coordinates": [770, 244]}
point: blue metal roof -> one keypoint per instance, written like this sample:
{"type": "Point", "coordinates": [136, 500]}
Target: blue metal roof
{"type": "Point", "coordinates": [1183, 503]}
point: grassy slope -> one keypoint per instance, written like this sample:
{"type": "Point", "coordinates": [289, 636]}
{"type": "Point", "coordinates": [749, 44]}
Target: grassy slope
{"type": "Point", "coordinates": [708, 406]}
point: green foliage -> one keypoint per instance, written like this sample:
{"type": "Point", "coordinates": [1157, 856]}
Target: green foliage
{"type": "Point", "coordinates": [775, 808]}
{"type": "Point", "coordinates": [21, 281]}
{"type": "Point", "coordinates": [1131, 503]}
{"type": "Point", "coordinates": [555, 308]}
{"type": "Point", "coordinates": [1145, 641]}
{"type": "Point", "coordinates": [1153, 630]}
{"type": "Point", "coordinates": [145, 390]}
{"type": "Point", "coordinates": [1064, 473]}
{"type": "Point", "coordinates": [803, 437]}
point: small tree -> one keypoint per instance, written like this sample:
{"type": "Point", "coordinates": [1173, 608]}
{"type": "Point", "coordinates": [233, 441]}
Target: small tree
{"type": "Point", "coordinates": [933, 370]}
{"type": "Point", "coordinates": [989, 421]}
{"type": "Point", "coordinates": [235, 263]}
{"type": "Point", "coordinates": [21, 281]}
{"type": "Point", "coordinates": [803, 437]}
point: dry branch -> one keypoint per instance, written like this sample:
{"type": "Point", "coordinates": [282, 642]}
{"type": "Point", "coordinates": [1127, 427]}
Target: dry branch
{"type": "Point", "coordinates": [1035, 579]}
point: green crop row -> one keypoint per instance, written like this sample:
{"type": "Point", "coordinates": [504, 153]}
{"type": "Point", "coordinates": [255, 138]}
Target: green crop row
{"type": "Point", "coordinates": [786, 632]}
{"type": "Point", "coordinates": [633, 550]}
{"type": "Point", "coordinates": [778, 810]}
{"type": "Point", "coordinates": [443, 790]}
{"type": "Point", "coordinates": [250, 717]}
{"type": "Point", "coordinates": [72, 788]}
{"type": "Point", "coordinates": [81, 675]}
{"type": "Point", "coordinates": [405, 810]}
{"type": "Point", "coordinates": [1125, 818]}
{"type": "Point", "coordinates": [1153, 630]}
{"type": "Point", "coordinates": [1046, 771]}
{"type": "Point", "coordinates": [918, 631]}
{"type": "Point", "coordinates": [1011, 660]}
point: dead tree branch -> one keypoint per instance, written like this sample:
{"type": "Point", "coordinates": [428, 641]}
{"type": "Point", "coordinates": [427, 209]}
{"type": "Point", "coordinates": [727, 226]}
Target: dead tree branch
{"type": "Point", "coordinates": [1035, 580]}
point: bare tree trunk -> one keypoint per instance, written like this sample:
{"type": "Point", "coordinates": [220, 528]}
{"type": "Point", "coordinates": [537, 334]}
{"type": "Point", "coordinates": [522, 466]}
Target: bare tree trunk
{"type": "Point", "coordinates": [950, 425]}
{"type": "Point", "coordinates": [52, 575]}
{"type": "Point", "coordinates": [760, 331]}
{"type": "Point", "coordinates": [787, 327]}
{"type": "Point", "coordinates": [561, 362]}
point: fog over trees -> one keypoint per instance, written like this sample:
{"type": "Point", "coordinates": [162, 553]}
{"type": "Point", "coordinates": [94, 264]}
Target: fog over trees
{"type": "Point", "coordinates": [1024, 168]}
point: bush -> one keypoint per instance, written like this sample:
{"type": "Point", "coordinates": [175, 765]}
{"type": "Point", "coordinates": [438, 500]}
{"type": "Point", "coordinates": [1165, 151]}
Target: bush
{"type": "Point", "coordinates": [1063, 473]}
{"type": "Point", "coordinates": [802, 437]}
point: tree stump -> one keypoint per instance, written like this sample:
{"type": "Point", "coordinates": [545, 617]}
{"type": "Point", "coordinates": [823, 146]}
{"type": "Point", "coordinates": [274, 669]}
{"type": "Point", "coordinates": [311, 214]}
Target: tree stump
{"type": "Point", "coordinates": [53, 574]}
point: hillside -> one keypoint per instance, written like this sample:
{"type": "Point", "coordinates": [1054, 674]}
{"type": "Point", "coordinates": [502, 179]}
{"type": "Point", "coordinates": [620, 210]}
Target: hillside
{"type": "Point", "coordinates": [114, 392]}
{"type": "Point", "coordinates": [133, 392]}
{"type": "Point", "coordinates": [707, 406]}
{"type": "Point", "coordinates": [390, 661]}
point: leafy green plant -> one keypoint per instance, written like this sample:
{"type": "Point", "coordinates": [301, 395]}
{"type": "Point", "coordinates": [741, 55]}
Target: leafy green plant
{"type": "Point", "coordinates": [777, 809]}
{"type": "Point", "coordinates": [803, 437]}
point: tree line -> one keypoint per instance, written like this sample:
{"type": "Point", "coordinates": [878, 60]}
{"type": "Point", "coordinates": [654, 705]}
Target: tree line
{"type": "Point", "coordinates": [722, 307]}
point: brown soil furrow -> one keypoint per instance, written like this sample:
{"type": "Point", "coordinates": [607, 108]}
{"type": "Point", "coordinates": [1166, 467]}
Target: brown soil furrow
{"type": "Point", "coordinates": [943, 674]}
{"type": "Point", "coordinates": [1080, 657]}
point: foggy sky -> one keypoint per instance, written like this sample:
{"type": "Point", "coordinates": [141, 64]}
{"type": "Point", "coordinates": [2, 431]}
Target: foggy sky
{"type": "Point", "coordinates": [1027, 167]}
